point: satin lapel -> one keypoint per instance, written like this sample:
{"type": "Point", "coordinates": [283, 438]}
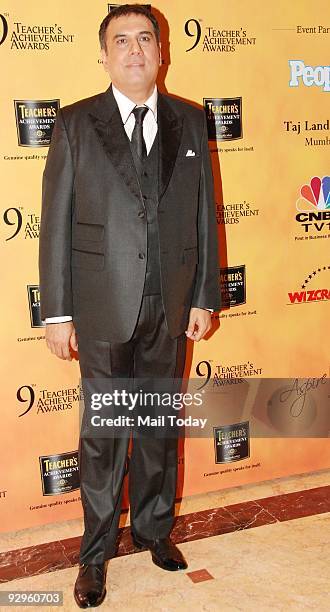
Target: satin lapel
{"type": "Point", "coordinates": [108, 125]}
{"type": "Point", "coordinates": [170, 134]}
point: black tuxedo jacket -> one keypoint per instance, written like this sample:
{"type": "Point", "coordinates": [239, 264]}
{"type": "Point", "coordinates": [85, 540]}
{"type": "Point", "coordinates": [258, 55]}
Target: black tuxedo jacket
{"type": "Point", "coordinates": [93, 237]}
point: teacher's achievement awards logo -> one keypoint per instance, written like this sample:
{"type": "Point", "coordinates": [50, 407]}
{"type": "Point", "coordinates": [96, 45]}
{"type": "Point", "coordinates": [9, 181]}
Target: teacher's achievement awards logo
{"type": "Point", "coordinates": [35, 121]}
{"type": "Point", "coordinates": [59, 473]}
{"type": "Point", "coordinates": [224, 118]}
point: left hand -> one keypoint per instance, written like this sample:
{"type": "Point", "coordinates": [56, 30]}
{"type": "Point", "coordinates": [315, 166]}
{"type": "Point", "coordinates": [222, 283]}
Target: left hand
{"type": "Point", "coordinates": [201, 320]}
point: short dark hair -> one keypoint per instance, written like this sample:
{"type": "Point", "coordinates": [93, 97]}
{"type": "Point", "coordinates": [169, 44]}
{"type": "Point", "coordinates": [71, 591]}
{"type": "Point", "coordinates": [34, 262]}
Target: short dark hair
{"type": "Point", "coordinates": [127, 9]}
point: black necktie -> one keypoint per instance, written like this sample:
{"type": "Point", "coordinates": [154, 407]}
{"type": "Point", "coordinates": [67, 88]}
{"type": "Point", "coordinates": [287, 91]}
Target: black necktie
{"type": "Point", "coordinates": [137, 139]}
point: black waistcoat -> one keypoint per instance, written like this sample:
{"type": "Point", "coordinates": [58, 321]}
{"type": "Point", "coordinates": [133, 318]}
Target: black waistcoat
{"type": "Point", "coordinates": [148, 178]}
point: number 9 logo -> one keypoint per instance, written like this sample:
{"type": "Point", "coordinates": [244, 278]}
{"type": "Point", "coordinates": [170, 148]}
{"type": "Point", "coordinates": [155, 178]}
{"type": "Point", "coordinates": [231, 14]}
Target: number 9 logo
{"type": "Point", "coordinates": [207, 373]}
{"type": "Point", "coordinates": [29, 399]}
{"type": "Point", "coordinates": [17, 222]}
{"type": "Point", "coordinates": [4, 29]}
{"type": "Point", "coordinates": [197, 31]}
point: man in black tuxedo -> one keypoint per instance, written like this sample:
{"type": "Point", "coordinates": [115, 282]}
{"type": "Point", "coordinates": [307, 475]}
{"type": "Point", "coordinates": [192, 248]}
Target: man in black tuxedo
{"type": "Point", "coordinates": [128, 270]}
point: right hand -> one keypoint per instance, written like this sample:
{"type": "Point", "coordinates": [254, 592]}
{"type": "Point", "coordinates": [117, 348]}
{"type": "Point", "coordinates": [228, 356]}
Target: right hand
{"type": "Point", "coordinates": [60, 337]}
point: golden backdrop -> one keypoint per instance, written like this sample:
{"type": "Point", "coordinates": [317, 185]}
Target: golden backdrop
{"type": "Point", "coordinates": [260, 71]}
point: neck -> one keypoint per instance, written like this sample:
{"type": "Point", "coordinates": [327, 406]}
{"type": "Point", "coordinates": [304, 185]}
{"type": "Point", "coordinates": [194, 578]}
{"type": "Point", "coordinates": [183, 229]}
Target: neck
{"type": "Point", "coordinates": [139, 96]}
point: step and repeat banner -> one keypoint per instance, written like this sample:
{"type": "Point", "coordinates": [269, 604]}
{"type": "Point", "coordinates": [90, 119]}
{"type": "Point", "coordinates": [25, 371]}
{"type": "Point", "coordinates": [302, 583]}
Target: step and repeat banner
{"type": "Point", "coordinates": [261, 72]}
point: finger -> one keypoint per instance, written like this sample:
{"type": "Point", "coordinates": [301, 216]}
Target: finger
{"type": "Point", "coordinates": [58, 350]}
{"type": "Point", "coordinates": [65, 351]}
{"type": "Point", "coordinates": [206, 330]}
{"type": "Point", "coordinates": [59, 346]}
{"type": "Point", "coordinates": [201, 331]}
{"type": "Point", "coordinates": [52, 347]}
{"type": "Point", "coordinates": [73, 341]}
{"type": "Point", "coordinates": [192, 335]}
{"type": "Point", "coordinates": [191, 328]}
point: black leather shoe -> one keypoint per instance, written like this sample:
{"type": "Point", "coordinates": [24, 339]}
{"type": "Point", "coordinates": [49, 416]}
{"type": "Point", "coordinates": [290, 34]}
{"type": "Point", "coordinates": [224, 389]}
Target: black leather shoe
{"type": "Point", "coordinates": [164, 553]}
{"type": "Point", "coordinates": [89, 590]}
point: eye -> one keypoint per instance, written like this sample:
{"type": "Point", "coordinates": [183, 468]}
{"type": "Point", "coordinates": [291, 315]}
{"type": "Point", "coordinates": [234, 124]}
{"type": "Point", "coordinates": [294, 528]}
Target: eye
{"type": "Point", "coordinates": [121, 41]}
{"type": "Point", "coordinates": [145, 38]}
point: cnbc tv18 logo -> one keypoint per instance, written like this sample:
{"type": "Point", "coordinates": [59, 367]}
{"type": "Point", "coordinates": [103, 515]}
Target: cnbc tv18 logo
{"type": "Point", "coordinates": [224, 118]}
{"type": "Point", "coordinates": [313, 205]}
{"type": "Point", "coordinates": [319, 76]}
{"type": "Point", "coordinates": [35, 120]}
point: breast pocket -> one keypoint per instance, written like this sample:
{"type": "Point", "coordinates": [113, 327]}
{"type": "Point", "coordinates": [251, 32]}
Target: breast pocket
{"type": "Point", "coordinates": [183, 158]}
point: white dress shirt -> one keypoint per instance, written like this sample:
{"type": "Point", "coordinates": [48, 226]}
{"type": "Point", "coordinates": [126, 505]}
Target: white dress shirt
{"type": "Point", "coordinates": [150, 128]}
{"type": "Point", "coordinates": [126, 106]}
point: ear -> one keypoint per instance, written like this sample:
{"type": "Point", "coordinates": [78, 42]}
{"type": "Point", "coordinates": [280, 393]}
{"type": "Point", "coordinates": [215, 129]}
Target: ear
{"type": "Point", "coordinates": [104, 59]}
{"type": "Point", "coordinates": [160, 53]}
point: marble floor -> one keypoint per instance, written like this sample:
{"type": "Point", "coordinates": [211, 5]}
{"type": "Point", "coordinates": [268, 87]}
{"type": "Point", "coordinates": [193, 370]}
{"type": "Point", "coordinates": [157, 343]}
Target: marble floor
{"type": "Point", "coordinates": [256, 547]}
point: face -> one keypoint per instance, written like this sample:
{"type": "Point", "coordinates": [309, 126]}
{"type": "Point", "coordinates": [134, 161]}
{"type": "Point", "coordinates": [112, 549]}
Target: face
{"type": "Point", "coordinates": [132, 55]}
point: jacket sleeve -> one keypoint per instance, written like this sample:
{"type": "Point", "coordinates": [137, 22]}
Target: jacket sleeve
{"type": "Point", "coordinates": [207, 286]}
{"type": "Point", "coordinates": [55, 228]}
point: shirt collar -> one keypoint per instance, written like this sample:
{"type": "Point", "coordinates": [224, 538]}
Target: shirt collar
{"type": "Point", "coordinates": [126, 105]}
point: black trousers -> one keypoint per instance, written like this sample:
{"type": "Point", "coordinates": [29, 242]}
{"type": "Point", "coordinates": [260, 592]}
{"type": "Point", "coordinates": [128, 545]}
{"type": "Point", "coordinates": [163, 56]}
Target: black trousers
{"type": "Point", "coordinates": [150, 353]}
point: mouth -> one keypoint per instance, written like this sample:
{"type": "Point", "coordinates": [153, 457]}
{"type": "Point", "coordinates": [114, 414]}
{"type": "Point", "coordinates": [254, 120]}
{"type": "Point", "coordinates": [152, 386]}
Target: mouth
{"type": "Point", "coordinates": [135, 65]}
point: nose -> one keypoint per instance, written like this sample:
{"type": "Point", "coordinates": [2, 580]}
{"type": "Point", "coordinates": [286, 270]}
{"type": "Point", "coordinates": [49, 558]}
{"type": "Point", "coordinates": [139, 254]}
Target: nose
{"type": "Point", "coordinates": [135, 47]}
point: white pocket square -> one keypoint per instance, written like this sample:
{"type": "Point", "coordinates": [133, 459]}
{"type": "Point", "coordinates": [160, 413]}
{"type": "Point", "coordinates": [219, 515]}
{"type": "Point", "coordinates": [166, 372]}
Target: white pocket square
{"type": "Point", "coordinates": [190, 153]}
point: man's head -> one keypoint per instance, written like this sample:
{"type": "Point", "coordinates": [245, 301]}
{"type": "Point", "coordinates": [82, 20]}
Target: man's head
{"type": "Point", "coordinates": [131, 50]}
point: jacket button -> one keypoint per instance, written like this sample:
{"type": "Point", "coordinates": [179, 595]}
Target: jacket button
{"type": "Point", "coordinates": [141, 214]}
{"type": "Point", "coordinates": [141, 255]}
